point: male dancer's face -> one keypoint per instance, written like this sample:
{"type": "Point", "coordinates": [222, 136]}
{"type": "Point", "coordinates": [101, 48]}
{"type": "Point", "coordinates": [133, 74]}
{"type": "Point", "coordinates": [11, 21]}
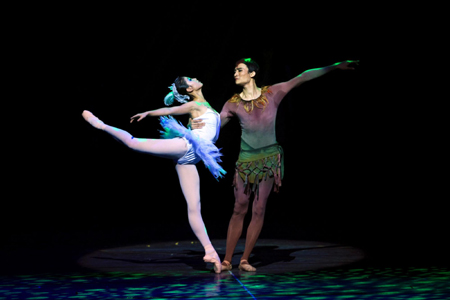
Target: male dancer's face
{"type": "Point", "coordinates": [241, 74]}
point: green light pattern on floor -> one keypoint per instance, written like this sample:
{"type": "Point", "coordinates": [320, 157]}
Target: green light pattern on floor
{"type": "Point", "coordinates": [368, 283]}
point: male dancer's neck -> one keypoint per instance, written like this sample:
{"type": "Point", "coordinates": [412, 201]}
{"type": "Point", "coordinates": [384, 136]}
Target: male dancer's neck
{"type": "Point", "coordinates": [250, 91]}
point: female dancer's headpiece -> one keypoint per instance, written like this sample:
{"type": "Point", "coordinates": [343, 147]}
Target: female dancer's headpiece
{"type": "Point", "coordinates": [168, 100]}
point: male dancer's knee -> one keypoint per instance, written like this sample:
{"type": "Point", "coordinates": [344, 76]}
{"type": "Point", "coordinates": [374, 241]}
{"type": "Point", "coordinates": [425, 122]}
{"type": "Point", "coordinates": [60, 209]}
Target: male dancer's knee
{"type": "Point", "coordinates": [258, 212]}
{"type": "Point", "coordinates": [240, 208]}
{"type": "Point", "coordinates": [259, 208]}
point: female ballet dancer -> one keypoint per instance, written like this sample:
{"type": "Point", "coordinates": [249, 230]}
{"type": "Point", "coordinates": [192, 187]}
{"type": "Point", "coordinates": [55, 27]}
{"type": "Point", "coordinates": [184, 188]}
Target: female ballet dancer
{"type": "Point", "coordinates": [184, 146]}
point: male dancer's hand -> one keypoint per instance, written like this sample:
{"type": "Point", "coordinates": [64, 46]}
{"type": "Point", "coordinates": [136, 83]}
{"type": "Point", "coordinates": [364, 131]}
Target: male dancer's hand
{"type": "Point", "coordinates": [196, 124]}
{"type": "Point", "coordinates": [348, 65]}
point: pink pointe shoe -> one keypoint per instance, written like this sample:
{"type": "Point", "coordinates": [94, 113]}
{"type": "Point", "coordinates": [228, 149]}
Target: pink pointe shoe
{"type": "Point", "coordinates": [93, 120]}
{"type": "Point", "coordinates": [211, 256]}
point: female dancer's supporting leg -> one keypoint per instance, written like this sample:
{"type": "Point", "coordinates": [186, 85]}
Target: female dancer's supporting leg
{"type": "Point", "coordinates": [188, 176]}
{"type": "Point", "coordinates": [190, 185]}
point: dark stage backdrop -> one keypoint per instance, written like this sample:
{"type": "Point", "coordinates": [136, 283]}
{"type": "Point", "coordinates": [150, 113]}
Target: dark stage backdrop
{"type": "Point", "coordinates": [346, 176]}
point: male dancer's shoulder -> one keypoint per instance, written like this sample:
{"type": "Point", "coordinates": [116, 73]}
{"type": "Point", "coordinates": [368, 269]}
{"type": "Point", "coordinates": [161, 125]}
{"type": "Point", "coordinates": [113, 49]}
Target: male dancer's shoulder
{"type": "Point", "coordinates": [235, 98]}
{"type": "Point", "coordinates": [266, 89]}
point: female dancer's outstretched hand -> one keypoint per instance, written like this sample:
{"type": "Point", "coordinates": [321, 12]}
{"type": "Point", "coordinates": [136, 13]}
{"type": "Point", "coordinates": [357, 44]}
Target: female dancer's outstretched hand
{"type": "Point", "coordinates": [140, 116]}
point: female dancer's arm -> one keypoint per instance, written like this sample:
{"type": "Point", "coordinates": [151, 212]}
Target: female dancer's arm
{"type": "Point", "coordinates": [165, 111]}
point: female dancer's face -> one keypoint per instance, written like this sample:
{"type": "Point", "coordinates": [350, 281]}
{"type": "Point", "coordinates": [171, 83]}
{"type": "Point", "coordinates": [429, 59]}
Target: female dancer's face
{"type": "Point", "coordinates": [241, 74]}
{"type": "Point", "coordinates": [193, 83]}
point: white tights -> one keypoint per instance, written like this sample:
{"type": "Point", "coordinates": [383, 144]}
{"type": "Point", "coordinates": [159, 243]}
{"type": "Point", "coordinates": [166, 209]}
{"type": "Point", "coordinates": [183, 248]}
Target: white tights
{"type": "Point", "coordinates": [167, 148]}
{"type": "Point", "coordinates": [190, 185]}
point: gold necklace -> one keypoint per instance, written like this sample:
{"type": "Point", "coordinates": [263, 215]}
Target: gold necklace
{"type": "Point", "coordinates": [249, 105]}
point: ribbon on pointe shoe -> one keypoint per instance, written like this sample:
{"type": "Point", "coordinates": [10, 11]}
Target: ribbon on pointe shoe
{"type": "Point", "coordinates": [211, 256]}
{"type": "Point", "coordinates": [215, 261]}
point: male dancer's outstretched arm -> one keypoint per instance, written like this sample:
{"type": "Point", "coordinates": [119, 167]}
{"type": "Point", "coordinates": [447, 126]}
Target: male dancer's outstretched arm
{"type": "Point", "coordinates": [293, 83]}
{"type": "Point", "coordinates": [317, 72]}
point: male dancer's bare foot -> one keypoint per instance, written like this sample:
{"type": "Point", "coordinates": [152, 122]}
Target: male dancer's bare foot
{"type": "Point", "coordinates": [245, 266]}
{"type": "Point", "coordinates": [226, 266]}
{"type": "Point", "coordinates": [211, 256]}
{"type": "Point", "coordinates": [93, 120]}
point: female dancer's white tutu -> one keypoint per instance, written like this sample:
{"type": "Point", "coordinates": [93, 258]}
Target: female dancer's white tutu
{"type": "Point", "coordinates": [203, 148]}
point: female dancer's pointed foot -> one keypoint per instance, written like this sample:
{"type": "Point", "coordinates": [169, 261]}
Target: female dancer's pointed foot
{"type": "Point", "coordinates": [245, 266]}
{"type": "Point", "coordinates": [214, 258]}
{"type": "Point", "coordinates": [93, 120]}
{"type": "Point", "coordinates": [211, 256]}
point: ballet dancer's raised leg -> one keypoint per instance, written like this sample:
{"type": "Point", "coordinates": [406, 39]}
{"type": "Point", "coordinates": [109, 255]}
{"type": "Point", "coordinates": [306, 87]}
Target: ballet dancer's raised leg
{"type": "Point", "coordinates": [190, 185]}
{"type": "Point", "coordinates": [167, 148]}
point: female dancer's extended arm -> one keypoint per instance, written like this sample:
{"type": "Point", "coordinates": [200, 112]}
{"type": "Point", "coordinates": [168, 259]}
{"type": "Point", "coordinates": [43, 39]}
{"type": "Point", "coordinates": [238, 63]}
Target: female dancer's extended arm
{"type": "Point", "coordinates": [165, 111]}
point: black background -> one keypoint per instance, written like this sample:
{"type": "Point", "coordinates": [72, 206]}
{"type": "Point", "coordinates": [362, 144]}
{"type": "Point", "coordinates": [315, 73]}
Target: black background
{"type": "Point", "coordinates": [354, 167]}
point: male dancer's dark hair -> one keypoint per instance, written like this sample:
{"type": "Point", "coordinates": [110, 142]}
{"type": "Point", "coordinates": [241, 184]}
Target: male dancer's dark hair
{"type": "Point", "coordinates": [251, 65]}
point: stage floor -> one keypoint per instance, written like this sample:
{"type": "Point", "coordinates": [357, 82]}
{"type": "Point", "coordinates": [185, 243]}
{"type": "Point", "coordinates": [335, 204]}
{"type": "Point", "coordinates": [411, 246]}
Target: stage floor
{"type": "Point", "coordinates": [185, 257]}
{"type": "Point", "coordinates": [286, 269]}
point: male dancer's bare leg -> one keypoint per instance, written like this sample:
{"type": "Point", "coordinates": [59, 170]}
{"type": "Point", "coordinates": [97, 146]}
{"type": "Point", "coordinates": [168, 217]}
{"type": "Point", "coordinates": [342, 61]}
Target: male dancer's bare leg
{"type": "Point", "coordinates": [256, 224]}
{"type": "Point", "coordinates": [236, 222]}
{"type": "Point", "coordinates": [190, 185]}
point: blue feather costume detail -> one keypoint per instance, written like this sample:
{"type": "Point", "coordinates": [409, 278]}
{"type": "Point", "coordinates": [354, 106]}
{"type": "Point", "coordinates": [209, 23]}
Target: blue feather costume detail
{"type": "Point", "coordinates": [205, 149]}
